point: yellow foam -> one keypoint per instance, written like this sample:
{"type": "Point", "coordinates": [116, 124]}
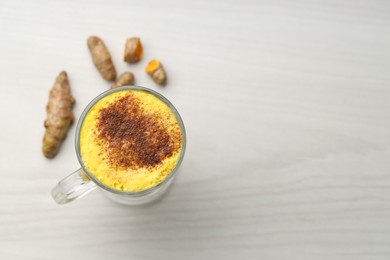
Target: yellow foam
{"type": "Point", "coordinates": [92, 151]}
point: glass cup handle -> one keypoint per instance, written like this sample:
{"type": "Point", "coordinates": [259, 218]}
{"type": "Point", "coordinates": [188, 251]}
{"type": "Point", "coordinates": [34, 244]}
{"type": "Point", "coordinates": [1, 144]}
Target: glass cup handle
{"type": "Point", "coordinates": [72, 187]}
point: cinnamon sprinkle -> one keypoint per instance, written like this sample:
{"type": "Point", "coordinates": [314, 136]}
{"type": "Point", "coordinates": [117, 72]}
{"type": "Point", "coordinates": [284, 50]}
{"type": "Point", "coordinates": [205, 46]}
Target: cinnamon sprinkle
{"type": "Point", "coordinates": [132, 138]}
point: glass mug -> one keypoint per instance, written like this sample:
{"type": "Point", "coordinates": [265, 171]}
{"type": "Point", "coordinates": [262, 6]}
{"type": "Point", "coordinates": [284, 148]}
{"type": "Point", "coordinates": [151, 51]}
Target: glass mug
{"type": "Point", "coordinates": [81, 182]}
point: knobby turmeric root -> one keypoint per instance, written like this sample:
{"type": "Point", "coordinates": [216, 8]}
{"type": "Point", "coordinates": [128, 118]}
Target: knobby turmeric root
{"type": "Point", "coordinates": [101, 58]}
{"type": "Point", "coordinates": [133, 50]}
{"type": "Point", "coordinates": [127, 78]}
{"type": "Point", "coordinates": [59, 115]}
{"type": "Point", "coordinates": [157, 72]}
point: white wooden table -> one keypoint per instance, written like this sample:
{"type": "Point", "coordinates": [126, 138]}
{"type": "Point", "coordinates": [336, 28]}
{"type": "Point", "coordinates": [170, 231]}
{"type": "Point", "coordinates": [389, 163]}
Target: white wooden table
{"type": "Point", "coordinates": [287, 110]}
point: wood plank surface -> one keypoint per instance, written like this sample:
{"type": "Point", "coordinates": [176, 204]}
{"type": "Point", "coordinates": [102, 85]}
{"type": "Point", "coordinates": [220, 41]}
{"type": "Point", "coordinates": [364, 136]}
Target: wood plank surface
{"type": "Point", "coordinates": [287, 111]}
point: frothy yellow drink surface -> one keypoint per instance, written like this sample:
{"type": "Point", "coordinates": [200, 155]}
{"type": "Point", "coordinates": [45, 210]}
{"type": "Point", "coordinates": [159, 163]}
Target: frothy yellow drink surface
{"type": "Point", "coordinates": [130, 140]}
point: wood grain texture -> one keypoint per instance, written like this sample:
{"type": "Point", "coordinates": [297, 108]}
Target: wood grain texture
{"type": "Point", "coordinates": [286, 105]}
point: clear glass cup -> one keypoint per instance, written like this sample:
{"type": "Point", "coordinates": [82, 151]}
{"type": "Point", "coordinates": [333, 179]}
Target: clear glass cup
{"type": "Point", "coordinates": [80, 182]}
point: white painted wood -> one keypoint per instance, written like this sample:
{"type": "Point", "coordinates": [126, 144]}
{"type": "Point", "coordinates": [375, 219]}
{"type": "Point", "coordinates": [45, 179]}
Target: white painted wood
{"type": "Point", "coordinates": [287, 108]}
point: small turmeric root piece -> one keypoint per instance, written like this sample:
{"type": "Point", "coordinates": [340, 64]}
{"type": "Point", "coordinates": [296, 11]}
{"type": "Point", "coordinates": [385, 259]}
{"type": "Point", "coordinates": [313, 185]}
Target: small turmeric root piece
{"type": "Point", "coordinates": [59, 115]}
{"type": "Point", "coordinates": [133, 50]}
{"type": "Point", "coordinates": [127, 78]}
{"type": "Point", "coordinates": [157, 72]}
{"type": "Point", "coordinates": [101, 58]}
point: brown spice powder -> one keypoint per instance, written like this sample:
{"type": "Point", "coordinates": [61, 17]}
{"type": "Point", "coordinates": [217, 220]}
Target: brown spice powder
{"type": "Point", "coordinates": [132, 138]}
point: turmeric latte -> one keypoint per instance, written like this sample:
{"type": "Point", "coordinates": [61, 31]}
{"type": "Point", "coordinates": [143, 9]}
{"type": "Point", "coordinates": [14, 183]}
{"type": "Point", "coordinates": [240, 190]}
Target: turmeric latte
{"type": "Point", "coordinates": [130, 140]}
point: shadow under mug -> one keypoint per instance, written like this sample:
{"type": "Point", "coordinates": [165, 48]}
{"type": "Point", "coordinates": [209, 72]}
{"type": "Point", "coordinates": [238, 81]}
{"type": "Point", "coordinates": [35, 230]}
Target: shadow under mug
{"type": "Point", "coordinates": [80, 182]}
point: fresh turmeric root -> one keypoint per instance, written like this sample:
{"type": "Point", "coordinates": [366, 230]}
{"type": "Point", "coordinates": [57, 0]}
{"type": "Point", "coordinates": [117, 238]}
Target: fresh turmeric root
{"type": "Point", "coordinates": [127, 78]}
{"type": "Point", "coordinates": [157, 72]}
{"type": "Point", "coordinates": [133, 50]}
{"type": "Point", "coordinates": [101, 58]}
{"type": "Point", "coordinates": [59, 115]}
